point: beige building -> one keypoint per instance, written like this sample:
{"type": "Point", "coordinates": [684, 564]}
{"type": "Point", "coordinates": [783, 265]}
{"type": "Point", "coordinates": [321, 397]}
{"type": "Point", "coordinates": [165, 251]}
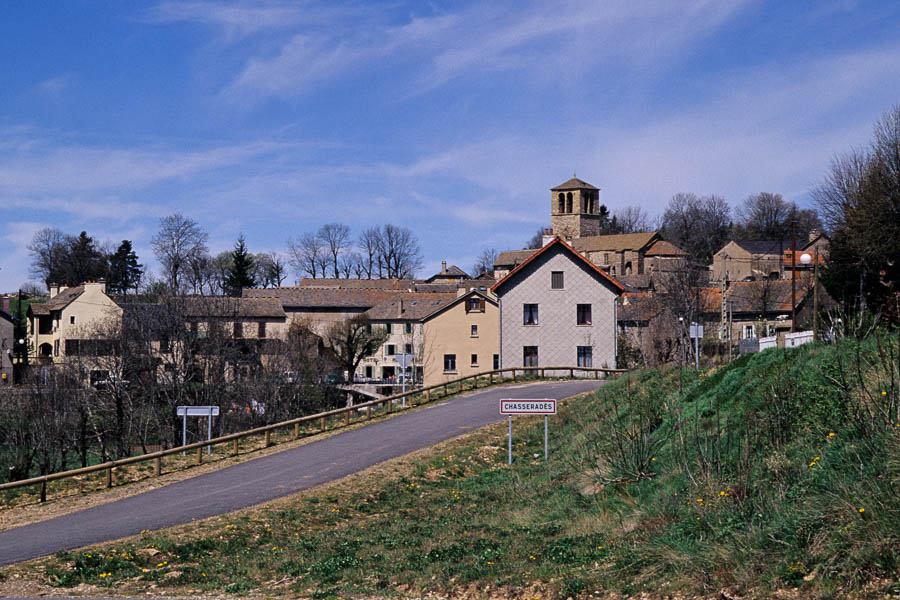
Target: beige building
{"type": "Point", "coordinates": [401, 315]}
{"type": "Point", "coordinates": [557, 309]}
{"type": "Point", "coordinates": [461, 338]}
{"type": "Point", "coordinates": [741, 260]}
{"type": "Point", "coordinates": [70, 315]}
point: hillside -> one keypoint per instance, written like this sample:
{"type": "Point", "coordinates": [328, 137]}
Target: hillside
{"type": "Point", "coordinates": [779, 474]}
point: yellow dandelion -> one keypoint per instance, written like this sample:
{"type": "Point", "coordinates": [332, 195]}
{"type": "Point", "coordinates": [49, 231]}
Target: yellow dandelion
{"type": "Point", "coordinates": [883, 393]}
{"type": "Point", "coordinates": [862, 510]}
{"type": "Point", "coordinates": [699, 499]}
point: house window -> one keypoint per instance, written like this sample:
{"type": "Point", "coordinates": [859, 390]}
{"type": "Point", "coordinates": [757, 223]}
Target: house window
{"type": "Point", "coordinates": [391, 350]}
{"type": "Point", "coordinates": [474, 331]}
{"type": "Point", "coordinates": [449, 363]}
{"type": "Point", "coordinates": [238, 330]}
{"type": "Point", "coordinates": [261, 330]}
{"type": "Point", "coordinates": [583, 314]}
{"type": "Point", "coordinates": [390, 328]}
{"type": "Point", "coordinates": [369, 371]}
{"type": "Point", "coordinates": [409, 328]}
{"type": "Point", "coordinates": [585, 356]}
{"type": "Point", "coordinates": [556, 280]}
{"type": "Point", "coordinates": [496, 361]}
{"type": "Point", "coordinates": [474, 360]}
{"type": "Point", "coordinates": [72, 320]}
{"type": "Point", "coordinates": [164, 344]}
{"type": "Point", "coordinates": [407, 348]}
{"type": "Point", "coordinates": [474, 305]}
{"type": "Point", "coordinates": [530, 314]}
{"type": "Point", "coordinates": [530, 356]}
{"type": "Point", "coordinates": [193, 326]}
{"type": "Point", "coordinates": [748, 332]}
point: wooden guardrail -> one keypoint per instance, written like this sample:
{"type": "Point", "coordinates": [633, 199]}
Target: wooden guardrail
{"type": "Point", "coordinates": [430, 392]}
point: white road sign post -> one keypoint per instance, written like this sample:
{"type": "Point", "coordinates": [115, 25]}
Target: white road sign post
{"type": "Point", "coordinates": [197, 411]}
{"type": "Point", "coordinates": [696, 332]}
{"type": "Point", "coordinates": [404, 360]}
{"type": "Point", "coordinates": [543, 406]}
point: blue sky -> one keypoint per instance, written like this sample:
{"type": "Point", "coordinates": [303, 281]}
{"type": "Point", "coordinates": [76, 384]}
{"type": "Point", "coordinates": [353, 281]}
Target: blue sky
{"type": "Point", "coordinates": [451, 118]}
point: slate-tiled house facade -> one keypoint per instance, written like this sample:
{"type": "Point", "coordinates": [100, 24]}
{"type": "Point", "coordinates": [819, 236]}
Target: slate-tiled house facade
{"type": "Point", "coordinates": [557, 308]}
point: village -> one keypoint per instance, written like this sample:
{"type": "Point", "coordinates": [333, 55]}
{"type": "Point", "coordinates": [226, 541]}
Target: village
{"type": "Point", "coordinates": [581, 299]}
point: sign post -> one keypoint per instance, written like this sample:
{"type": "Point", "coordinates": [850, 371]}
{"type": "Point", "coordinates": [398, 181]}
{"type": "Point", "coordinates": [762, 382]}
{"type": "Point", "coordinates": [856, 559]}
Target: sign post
{"type": "Point", "coordinates": [696, 332]}
{"type": "Point", "coordinates": [404, 360]}
{"type": "Point", "coordinates": [197, 411]}
{"type": "Point", "coordinates": [544, 406]}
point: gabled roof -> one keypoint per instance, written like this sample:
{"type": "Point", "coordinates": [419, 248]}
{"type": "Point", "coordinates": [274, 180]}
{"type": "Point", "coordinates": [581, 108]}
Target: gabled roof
{"type": "Point", "coordinates": [764, 246]}
{"type": "Point", "coordinates": [459, 299]}
{"type": "Point", "coordinates": [409, 306]}
{"type": "Point", "coordinates": [452, 271]}
{"type": "Point", "coordinates": [309, 297]}
{"type": "Point", "coordinates": [5, 315]}
{"type": "Point", "coordinates": [767, 296]}
{"type": "Point", "coordinates": [574, 184]}
{"type": "Point", "coordinates": [558, 242]}
{"type": "Point", "coordinates": [57, 302]}
{"type": "Point", "coordinates": [615, 243]}
{"type": "Point", "coordinates": [227, 307]}
{"type": "Point", "coordinates": [512, 258]}
{"type": "Point", "coordinates": [661, 247]}
{"type": "Point", "coordinates": [357, 284]}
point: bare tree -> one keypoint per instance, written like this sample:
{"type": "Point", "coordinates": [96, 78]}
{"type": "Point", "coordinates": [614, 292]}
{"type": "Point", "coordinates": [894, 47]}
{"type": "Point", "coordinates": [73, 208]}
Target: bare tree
{"type": "Point", "coordinates": [304, 254]}
{"type": "Point", "coordinates": [632, 219]}
{"type": "Point", "coordinates": [400, 252]}
{"type": "Point", "coordinates": [485, 262]}
{"type": "Point", "coordinates": [336, 238]}
{"type": "Point", "coordinates": [47, 249]}
{"type": "Point", "coordinates": [178, 241]}
{"type": "Point", "coordinates": [699, 225]}
{"type": "Point", "coordinates": [535, 241]}
{"type": "Point", "coordinates": [349, 264]}
{"type": "Point", "coordinates": [353, 340]}
{"type": "Point", "coordinates": [369, 244]}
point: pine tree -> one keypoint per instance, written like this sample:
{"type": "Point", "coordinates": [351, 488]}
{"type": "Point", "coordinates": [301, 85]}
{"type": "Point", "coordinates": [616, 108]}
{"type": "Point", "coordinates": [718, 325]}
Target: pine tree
{"type": "Point", "coordinates": [124, 271]}
{"type": "Point", "coordinates": [240, 274]}
{"type": "Point", "coordinates": [83, 262]}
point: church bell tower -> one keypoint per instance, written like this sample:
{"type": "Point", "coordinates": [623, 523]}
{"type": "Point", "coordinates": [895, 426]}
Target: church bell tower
{"type": "Point", "coordinates": [574, 209]}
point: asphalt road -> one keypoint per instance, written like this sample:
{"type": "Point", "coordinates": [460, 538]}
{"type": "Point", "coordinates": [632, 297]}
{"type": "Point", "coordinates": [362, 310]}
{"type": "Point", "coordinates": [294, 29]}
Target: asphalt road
{"type": "Point", "coordinates": [272, 476]}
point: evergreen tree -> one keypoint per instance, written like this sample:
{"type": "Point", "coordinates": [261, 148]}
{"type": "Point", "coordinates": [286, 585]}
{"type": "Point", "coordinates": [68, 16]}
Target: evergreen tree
{"type": "Point", "coordinates": [240, 274]}
{"type": "Point", "coordinates": [83, 261]}
{"type": "Point", "coordinates": [124, 271]}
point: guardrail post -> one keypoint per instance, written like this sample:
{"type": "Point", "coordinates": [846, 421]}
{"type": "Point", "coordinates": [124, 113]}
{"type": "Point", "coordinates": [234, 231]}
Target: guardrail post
{"type": "Point", "coordinates": [571, 373]}
{"type": "Point", "coordinates": [390, 406]}
{"type": "Point", "coordinates": [44, 491]}
{"type": "Point", "coordinates": [542, 374]}
{"type": "Point", "coordinates": [491, 378]}
{"type": "Point", "coordinates": [296, 431]}
{"type": "Point", "coordinates": [347, 418]}
{"type": "Point", "coordinates": [368, 412]}
{"type": "Point", "coordinates": [596, 374]}
{"type": "Point", "coordinates": [427, 395]}
{"type": "Point", "coordinates": [109, 477]}
{"type": "Point", "coordinates": [323, 423]}
{"type": "Point", "coordinates": [475, 382]}
{"type": "Point", "coordinates": [268, 438]}
{"type": "Point", "coordinates": [200, 455]}
{"type": "Point", "coordinates": [514, 374]}
{"type": "Point", "coordinates": [157, 466]}
{"type": "Point", "coordinates": [234, 447]}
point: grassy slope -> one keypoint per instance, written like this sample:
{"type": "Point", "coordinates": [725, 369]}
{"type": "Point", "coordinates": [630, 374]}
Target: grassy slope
{"type": "Point", "coordinates": [765, 474]}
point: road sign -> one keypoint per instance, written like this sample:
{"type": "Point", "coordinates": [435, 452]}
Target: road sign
{"type": "Point", "coordinates": [404, 360]}
{"type": "Point", "coordinates": [197, 411]}
{"type": "Point", "coordinates": [696, 331]}
{"type": "Point", "coordinates": [545, 406]}
{"type": "Point", "coordinates": [542, 406]}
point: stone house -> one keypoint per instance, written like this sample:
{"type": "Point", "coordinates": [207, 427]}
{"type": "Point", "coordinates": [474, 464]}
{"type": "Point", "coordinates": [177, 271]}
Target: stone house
{"type": "Point", "coordinates": [402, 316]}
{"type": "Point", "coordinates": [451, 274]}
{"type": "Point", "coordinates": [57, 327]}
{"type": "Point", "coordinates": [619, 254]}
{"type": "Point", "coordinates": [461, 338]}
{"type": "Point", "coordinates": [741, 260]}
{"type": "Point", "coordinates": [557, 309]}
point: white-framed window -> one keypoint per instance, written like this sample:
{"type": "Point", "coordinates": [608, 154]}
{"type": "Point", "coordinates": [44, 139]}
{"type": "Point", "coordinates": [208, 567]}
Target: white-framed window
{"type": "Point", "coordinates": [557, 281]}
{"type": "Point", "coordinates": [449, 363]}
{"type": "Point", "coordinates": [530, 314]}
{"type": "Point", "coordinates": [529, 356]}
{"type": "Point", "coordinates": [748, 331]}
{"type": "Point", "coordinates": [583, 314]}
{"type": "Point", "coordinates": [585, 356]}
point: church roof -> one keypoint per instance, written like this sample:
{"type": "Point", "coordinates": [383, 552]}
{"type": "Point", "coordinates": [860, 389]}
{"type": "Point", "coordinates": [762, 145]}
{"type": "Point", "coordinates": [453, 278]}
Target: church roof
{"type": "Point", "coordinates": [614, 243]}
{"type": "Point", "coordinates": [574, 184]}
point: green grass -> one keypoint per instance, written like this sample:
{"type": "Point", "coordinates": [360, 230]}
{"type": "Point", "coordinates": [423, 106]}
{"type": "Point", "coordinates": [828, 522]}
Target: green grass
{"type": "Point", "coordinates": [770, 473]}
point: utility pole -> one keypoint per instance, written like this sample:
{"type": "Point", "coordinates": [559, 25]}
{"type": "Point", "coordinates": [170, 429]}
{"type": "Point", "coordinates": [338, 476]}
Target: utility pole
{"type": "Point", "coordinates": [816, 296]}
{"type": "Point", "coordinates": [793, 269]}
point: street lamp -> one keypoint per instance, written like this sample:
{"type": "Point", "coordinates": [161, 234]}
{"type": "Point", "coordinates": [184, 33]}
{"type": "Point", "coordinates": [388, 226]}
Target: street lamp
{"type": "Point", "coordinates": [807, 258]}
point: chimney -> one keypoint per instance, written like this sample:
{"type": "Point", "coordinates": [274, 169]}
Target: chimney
{"type": "Point", "coordinates": [54, 289]}
{"type": "Point", "coordinates": [99, 285]}
{"type": "Point", "coordinates": [443, 267]}
{"type": "Point", "coordinates": [400, 308]}
{"type": "Point", "coordinates": [6, 304]}
{"type": "Point", "coordinates": [547, 237]}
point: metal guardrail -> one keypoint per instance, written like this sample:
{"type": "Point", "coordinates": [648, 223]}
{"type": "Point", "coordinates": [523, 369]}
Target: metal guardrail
{"type": "Point", "coordinates": [267, 430]}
